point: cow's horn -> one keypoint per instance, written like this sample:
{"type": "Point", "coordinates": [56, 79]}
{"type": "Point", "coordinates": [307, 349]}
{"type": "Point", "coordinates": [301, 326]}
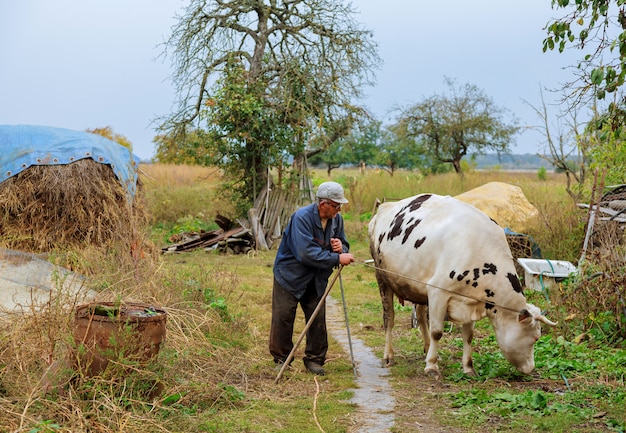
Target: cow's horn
{"type": "Point", "coordinates": [544, 319]}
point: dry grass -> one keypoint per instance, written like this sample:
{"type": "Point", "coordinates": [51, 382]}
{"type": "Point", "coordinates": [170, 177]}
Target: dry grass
{"type": "Point", "coordinates": [170, 175]}
{"type": "Point", "coordinates": [213, 373]}
{"type": "Point", "coordinates": [36, 352]}
{"type": "Point", "coordinates": [174, 193]}
{"type": "Point", "coordinates": [67, 207]}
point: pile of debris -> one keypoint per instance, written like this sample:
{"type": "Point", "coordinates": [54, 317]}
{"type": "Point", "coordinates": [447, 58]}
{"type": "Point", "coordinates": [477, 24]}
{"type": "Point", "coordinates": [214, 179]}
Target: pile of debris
{"type": "Point", "coordinates": [606, 222]}
{"type": "Point", "coordinates": [612, 205]}
{"type": "Point", "coordinates": [266, 221]}
{"type": "Point", "coordinates": [226, 239]}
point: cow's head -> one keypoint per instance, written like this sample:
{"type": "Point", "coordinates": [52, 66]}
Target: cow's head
{"type": "Point", "coordinates": [517, 337]}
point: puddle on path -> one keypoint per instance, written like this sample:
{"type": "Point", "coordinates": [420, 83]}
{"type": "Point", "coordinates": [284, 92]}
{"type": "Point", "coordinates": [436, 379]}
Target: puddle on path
{"type": "Point", "coordinates": [374, 394]}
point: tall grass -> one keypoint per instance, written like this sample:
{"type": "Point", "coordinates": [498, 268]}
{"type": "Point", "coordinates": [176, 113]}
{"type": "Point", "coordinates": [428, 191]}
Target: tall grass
{"type": "Point", "coordinates": [178, 192]}
{"type": "Point", "coordinates": [214, 372]}
{"type": "Point", "coordinates": [558, 229]}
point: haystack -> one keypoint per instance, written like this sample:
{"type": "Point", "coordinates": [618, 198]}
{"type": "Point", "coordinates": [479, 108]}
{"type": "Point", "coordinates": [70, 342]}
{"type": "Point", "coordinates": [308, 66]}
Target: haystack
{"type": "Point", "coordinates": [51, 204]}
{"type": "Point", "coordinates": [506, 204]}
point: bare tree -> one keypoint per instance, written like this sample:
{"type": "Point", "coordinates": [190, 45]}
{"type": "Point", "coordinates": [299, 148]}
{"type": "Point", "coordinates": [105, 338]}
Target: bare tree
{"type": "Point", "coordinates": [304, 61]}
{"type": "Point", "coordinates": [567, 146]}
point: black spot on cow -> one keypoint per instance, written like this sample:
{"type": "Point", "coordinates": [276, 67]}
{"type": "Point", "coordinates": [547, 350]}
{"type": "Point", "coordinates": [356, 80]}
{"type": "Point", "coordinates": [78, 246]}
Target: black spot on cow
{"type": "Point", "coordinates": [381, 237]}
{"type": "Point", "coordinates": [461, 276]}
{"type": "Point", "coordinates": [489, 305]}
{"type": "Point", "coordinates": [476, 273]}
{"type": "Point", "coordinates": [517, 286]}
{"type": "Point", "coordinates": [396, 226]}
{"type": "Point", "coordinates": [475, 284]}
{"type": "Point", "coordinates": [419, 242]}
{"type": "Point", "coordinates": [489, 293]}
{"type": "Point", "coordinates": [490, 268]}
{"type": "Point", "coordinates": [418, 201]}
{"type": "Point", "coordinates": [452, 274]}
{"type": "Point", "coordinates": [409, 230]}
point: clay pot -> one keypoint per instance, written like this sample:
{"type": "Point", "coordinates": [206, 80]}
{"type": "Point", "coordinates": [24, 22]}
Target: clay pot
{"type": "Point", "coordinates": [124, 332]}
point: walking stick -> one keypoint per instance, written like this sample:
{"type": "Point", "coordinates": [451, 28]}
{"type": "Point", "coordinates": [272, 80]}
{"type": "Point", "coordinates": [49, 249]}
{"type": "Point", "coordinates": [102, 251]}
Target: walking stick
{"type": "Point", "coordinates": [345, 313]}
{"type": "Point", "coordinates": [308, 324]}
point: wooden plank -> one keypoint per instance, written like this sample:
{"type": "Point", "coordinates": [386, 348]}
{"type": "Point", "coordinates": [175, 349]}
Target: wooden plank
{"type": "Point", "coordinates": [605, 210]}
{"type": "Point", "coordinates": [257, 229]}
{"type": "Point", "coordinates": [275, 211]}
{"type": "Point", "coordinates": [619, 220]}
{"type": "Point", "coordinates": [206, 240]}
{"type": "Point", "coordinates": [274, 218]}
{"type": "Point", "coordinates": [259, 202]}
{"type": "Point", "coordinates": [194, 243]}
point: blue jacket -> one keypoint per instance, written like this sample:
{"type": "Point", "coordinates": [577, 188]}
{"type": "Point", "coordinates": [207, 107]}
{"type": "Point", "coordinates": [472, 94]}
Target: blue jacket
{"type": "Point", "coordinates": [305, 253]}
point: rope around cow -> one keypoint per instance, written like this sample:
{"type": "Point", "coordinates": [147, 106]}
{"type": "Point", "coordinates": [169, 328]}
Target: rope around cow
{"type": "Point", "coordinates": [368, 263]}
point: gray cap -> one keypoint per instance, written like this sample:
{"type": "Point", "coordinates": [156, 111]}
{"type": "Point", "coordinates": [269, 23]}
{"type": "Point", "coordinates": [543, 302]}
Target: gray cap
{"type": "Point", "coordinates": [331, 191]}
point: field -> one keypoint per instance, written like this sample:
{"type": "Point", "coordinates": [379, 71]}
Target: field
{"type": "Point", "coordinates": [214, 372]}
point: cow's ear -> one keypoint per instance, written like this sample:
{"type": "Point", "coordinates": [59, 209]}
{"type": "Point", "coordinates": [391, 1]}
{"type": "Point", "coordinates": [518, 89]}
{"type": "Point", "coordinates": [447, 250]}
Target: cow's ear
{"type": "Point", "coordinates": [524, 316]}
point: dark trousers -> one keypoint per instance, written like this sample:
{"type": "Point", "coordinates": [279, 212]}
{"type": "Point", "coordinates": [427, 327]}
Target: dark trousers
{"type": "Point", "coordinates": [284, 306]}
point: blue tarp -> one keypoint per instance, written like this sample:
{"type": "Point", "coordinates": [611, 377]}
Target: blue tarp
{"type": "Point", "coordinates": [24, 145]}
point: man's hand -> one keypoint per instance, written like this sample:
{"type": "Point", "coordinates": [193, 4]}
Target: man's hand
{"type": "Point", "coordinates": [336, 245]}
{"type": "Point", "coordinates": [346, 258]}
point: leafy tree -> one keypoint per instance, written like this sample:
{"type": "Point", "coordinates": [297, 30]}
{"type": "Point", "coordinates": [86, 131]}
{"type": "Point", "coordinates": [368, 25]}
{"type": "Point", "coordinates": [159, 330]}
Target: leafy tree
{"type": "Point", "coordinates": [365, 142]}
{"type": "Point", "coordinates": [464, 122]}
{"type": "Point", "coordinates": [360, 147]}
{"type": "Point", "coordinates": [107, 132]}
{"type": "Point", "coordinates": [371, 144]}
{"type": "Point", "coordinates": [192, 150]}
{"type": "Point", "coordinates": [609, 151]}
{"type": "Point", "coordinates": [244, 134]}
{"type": "Point", "coordinates": [336, 155]}
{"type": "Point", "coordinates": [598, 28]}
{"type": "Point", "coordinates": [293, 67]}
{"type": "Point", "coordinates": [396, 150]}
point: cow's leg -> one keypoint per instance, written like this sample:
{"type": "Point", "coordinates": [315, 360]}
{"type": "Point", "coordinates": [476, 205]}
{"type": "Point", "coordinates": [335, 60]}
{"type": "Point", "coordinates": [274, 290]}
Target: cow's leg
{"type": "Point", "coordinates": [386, 296]}
{"type": "Point", "coordinates": [437, 314]}
{"type": "Point", "coordinates": [468, 335]}
{"type": "Point", "coordinates": [421, 312]}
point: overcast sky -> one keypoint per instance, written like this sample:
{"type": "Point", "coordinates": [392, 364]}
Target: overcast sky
{"type": "Point", "coordinates": [82, 64]}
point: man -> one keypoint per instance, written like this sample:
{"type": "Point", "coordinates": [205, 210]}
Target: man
{"type": "Point", "coordinates": [313, 244]}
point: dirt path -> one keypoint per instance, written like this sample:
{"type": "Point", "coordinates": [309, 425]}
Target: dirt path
{"type": "Point", "coordinates": [380, 407]}
{"type": "Point", "coordinates": [374, 394]}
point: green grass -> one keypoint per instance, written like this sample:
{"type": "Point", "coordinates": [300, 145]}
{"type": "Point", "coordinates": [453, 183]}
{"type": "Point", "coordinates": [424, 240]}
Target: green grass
{"type": "Point", "coordinates": [215, 372]}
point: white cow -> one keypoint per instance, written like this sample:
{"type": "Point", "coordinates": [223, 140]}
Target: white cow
{"type": "Point", "coordinates": [442, 253]}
